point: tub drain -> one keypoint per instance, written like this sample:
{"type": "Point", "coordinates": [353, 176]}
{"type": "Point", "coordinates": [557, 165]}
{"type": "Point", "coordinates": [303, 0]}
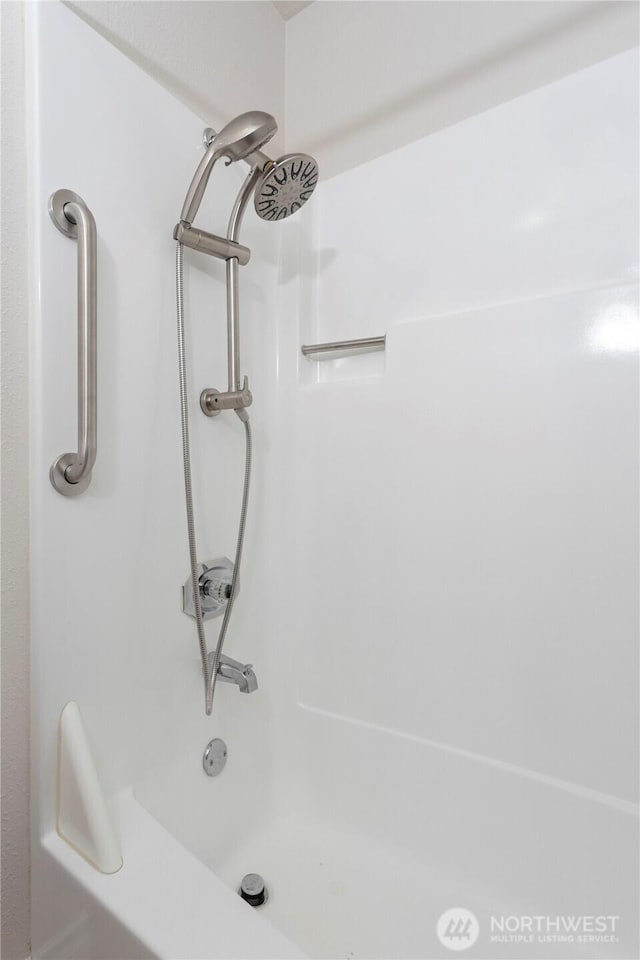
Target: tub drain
{"type": "Point", "coordinates": [253, 890]}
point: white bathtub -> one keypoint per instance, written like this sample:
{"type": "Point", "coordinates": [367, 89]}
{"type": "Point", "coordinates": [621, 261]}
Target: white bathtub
{"type": "Point", "coordinates": [162, 903]}
{"type": "Point", "coordinates": [353, 870]}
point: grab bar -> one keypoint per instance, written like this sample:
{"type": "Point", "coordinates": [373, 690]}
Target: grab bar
{"type": "Point", "coordinates": [70, 474]}
{"type": "Point", "coordinates": [360, 345]}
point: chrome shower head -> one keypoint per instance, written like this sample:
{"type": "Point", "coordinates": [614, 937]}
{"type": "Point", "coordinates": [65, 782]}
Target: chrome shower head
{"type": "Point", "coordinates": [286, 184]}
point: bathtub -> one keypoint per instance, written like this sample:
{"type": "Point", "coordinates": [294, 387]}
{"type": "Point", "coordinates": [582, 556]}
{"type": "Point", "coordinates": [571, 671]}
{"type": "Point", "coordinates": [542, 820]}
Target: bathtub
{"type": "Point", "coordinates": [351, 870]}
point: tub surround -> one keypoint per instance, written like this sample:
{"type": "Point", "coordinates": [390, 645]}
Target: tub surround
{"type": "Point", "coordinates": [439, 591]}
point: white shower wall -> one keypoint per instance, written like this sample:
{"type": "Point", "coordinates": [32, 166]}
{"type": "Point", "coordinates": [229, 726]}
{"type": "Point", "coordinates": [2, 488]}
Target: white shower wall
{"type": "Point", "coordinates": [365, 77]}
{"type": "Point", "coordinates": [464, 608]}
{"type": "Point", "coordinates": [481, 479]}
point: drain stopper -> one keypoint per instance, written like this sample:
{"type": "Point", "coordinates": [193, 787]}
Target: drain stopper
{"type": "Point", "coordinates": [253, 890]}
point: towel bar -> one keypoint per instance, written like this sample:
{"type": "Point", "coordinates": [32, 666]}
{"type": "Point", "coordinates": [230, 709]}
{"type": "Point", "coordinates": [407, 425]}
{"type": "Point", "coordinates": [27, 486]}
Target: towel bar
{"type": "Point", "coordinates": [361, 345]}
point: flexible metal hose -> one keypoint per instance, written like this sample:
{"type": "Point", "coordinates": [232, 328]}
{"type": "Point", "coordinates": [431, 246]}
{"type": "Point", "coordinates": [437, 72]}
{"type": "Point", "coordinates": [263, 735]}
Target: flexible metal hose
{"type": "Point", "coordinates": [209, 670]}
{"type": "Point", "coordinates": [186, 463]}
{"type": "Point", "coordinates": [213, 673]}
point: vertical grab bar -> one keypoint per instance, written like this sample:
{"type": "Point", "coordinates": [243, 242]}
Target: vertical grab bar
{"type": "Point", "coordinates": [70, 474]}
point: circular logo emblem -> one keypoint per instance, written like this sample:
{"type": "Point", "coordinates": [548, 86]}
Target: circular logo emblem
{"type": "Point", "coordinates": [457, 929]}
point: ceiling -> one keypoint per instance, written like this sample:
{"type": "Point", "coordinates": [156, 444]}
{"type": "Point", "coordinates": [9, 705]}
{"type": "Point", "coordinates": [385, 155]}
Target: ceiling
{"type": "Point", "coordinates": [289, 8]}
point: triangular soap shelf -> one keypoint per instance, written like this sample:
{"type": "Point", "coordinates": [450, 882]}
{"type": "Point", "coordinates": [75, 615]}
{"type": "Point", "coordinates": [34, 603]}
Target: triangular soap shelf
{"type": "Point", "coordinates": [83, 817]}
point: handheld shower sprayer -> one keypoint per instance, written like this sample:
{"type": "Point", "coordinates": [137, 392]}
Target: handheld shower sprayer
{"type": "Point", "coordinates": [237, 141]}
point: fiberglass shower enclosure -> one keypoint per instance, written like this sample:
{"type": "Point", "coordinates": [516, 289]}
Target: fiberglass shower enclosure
{"type": "Point", "coordinates": [438, 593]}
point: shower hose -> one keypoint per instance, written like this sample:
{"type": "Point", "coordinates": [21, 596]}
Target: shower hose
{"type": "Point", "coordinates": [209, 663]}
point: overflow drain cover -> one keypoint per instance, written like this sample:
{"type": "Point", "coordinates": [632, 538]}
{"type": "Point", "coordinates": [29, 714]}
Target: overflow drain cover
{"type": "Point", "coordinates": [215, 757]}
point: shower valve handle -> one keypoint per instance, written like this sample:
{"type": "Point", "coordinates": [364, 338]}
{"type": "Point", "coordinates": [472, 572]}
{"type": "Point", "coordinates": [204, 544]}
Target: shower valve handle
{"type": "Point", "coordinates": [214, 402]}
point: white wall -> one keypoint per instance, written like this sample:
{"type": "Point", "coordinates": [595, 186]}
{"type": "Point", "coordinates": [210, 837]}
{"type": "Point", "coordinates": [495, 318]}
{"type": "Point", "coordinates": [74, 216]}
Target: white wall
{"type": "Point", "coordinates": [482, 479]}
{"type": "Point", "coordinates": [360, 77]}
{"type": "Point", "coordinates": [365, 77]}
{"type": "Point", "coordinates": [15, 529]}
{"type": "Point", "coordinates": [219, 59]}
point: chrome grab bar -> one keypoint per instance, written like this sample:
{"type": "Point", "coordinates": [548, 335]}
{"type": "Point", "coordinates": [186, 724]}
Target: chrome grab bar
{"type": "Point", "coordinates": [70, 474]}
{"type": "Point", "coordinates": [361, 345]}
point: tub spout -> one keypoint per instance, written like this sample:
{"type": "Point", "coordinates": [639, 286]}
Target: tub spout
{"type": "Point", "coordinates": [231, 671]}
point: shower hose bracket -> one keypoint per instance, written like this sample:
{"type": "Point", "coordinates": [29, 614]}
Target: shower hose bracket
{"type": "Point", "coordinates": [211, 244]}
{"type": "Point", "coordinates": [213, 402]}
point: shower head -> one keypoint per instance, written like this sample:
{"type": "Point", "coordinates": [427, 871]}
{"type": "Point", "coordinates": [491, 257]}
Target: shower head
{"type": "Point", "coordinates": [285, 185]}
{"type": "Point", "coordinates": [282, 186]}
{"type": "Point", "coordinates": [240, 138]}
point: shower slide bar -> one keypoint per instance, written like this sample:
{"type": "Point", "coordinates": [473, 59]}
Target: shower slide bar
{"type": "Point", "coordinates": [70, 474]}
{"type": "Point", "coordinates": [361, 345]}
